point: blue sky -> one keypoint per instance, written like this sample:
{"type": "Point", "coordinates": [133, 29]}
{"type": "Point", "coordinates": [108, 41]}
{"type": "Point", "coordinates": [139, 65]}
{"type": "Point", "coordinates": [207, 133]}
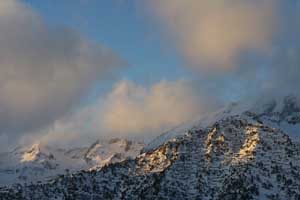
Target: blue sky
{"type": "Point", "coordinates": [123, 28]}
{"type": "Point", "coordinates": [128, 29]}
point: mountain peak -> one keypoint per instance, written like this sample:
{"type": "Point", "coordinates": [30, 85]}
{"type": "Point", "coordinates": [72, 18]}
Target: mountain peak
{"type": "Point", "coordinates": [40, 162]}
{"type": "Point", "coordinates": [32, 153]}
{"type": "Point", "coordinates": [112, 150]}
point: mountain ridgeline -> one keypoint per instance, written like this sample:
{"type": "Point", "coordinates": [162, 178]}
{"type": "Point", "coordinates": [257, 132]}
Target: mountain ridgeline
{"type": "Point", "coordinates": [250, 153]}
{"type": "Point", "coordinates": [39, 163]}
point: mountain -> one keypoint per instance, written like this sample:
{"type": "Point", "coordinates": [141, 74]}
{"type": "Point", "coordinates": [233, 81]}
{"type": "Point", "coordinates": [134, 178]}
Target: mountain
{"type": "Point", "coordinates": [39, 162]}
{"type": "Point", "coordinates": [282, 113]}
{"type": "Point", "coordinates": [240, 152]}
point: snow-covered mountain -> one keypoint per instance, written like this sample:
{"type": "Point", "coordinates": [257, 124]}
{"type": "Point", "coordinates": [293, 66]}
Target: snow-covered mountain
{"type": "Point", "coordinates": [39, 162]}
{"type": "Point", "coordinates": [282, 113]}
{"type": "Point", "coordinates": [244, 151]}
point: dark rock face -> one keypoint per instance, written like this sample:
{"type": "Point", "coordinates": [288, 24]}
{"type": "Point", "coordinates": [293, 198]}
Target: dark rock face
{"type": "Point", "coordinates": [235, 158]}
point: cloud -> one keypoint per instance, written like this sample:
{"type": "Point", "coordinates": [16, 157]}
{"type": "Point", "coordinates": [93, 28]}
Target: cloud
{"type": "Point", "coordinates": [284, 72]}
{"type": "Point", "coordinates": [212, 34]}
{"type": "Point", "coordinates": [44, 71]}
{"type": "Point", "coordinates": [243, 47]}
{"type": "Point", "coordinates": [133, 111]}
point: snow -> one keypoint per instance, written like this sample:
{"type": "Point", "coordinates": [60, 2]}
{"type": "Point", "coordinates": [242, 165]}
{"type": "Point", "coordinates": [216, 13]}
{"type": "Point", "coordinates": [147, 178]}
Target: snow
{"type": "Point", "coordinates": [41, 163]}
{"type": "Point", "coordinates": [271, 106]}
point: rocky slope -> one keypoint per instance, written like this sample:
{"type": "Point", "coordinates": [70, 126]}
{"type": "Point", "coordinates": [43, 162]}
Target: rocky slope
{"type": "Point", "coordinates": [236, 154]}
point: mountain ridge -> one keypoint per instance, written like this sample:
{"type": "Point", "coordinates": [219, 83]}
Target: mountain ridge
{"type": "Point", "coordinates": [237, 154]}
{"type": "Point", "coordinates": [41, 162]}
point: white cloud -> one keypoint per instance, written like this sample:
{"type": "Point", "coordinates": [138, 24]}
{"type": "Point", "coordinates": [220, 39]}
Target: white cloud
{"type": "Point", "coordinates": [44, 71]}
{"type": "Point", "coordinates": [133, 111]}
{"type": "Point", "coordinates": [244, 47]}
{"type": "Point", "coordinates": [213, 33]}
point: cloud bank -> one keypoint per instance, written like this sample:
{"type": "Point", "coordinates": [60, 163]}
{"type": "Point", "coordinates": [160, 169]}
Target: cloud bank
{"type": "Point", "coordinates": [251, 46]}
{"type": "Point", "coordinates": [212, 34]}
{"type": "Point", "coordinates": [134, 111]}
{"type": "Point", "coordinates": [44, 71]}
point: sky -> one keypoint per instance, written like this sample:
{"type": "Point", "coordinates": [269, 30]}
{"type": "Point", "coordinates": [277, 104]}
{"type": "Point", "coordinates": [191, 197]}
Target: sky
{"type": "Point", "coordinates": [122, 26]}
{"type": "Point", "coordinates": [75, 71]}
